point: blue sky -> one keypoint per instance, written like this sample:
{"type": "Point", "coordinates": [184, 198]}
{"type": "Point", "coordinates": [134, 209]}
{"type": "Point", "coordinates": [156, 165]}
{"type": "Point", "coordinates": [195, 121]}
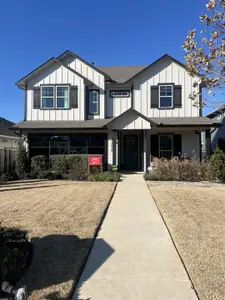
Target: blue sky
{"type": "Point", "coordinates": [118, 32]}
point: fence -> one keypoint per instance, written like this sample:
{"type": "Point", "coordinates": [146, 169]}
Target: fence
{"type": "Point", "coordinates": [7, 159]}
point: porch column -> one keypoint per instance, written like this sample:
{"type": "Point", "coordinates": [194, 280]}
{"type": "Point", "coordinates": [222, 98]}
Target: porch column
{"type": "Point", "coordinates": [147, 148]}
{"type": "Point", "coordinates": [208, 142]}
{"type": "Point", "coordinates": [115, 148]}
{"type": "Point", "coordinates": [112, 149]}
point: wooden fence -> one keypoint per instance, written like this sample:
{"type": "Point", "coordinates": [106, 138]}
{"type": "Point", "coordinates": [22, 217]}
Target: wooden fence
{"type": "Point", "coordinates": [7, 159]}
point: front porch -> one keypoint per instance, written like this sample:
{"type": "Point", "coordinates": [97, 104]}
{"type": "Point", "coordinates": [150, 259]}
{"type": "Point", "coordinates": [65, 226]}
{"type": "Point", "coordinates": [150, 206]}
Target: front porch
{"type": "Point", "coordinates": [134, 150]}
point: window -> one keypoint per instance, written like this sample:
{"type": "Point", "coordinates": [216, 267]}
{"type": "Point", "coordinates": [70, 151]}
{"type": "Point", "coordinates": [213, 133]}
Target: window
{"type": "Point", "coordinates": [47, 96]}
{"type": "Point", "coordinates": [119, 94]}
{"type": "Point", "coordinates": [55, 97]}
{"type": "Point", "coordinates": [62, 96]}
{"type": "Point", "coordinates": [165, 96]}
{"type": "Point", "coordinates": [166, 146]}
{"type": "Point", "coordinates": [94, 102]}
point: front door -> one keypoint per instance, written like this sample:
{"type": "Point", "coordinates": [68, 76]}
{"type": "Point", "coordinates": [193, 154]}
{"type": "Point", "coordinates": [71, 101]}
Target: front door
{"type": "Point", "coordinates": [130, 152]}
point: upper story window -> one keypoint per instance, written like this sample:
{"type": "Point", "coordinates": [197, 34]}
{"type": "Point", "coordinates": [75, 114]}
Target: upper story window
{"type": "Point", "coordinates": [165, 96]}
{"type": "Point", "coordinates": [47, 96]}
{"type": "Point", "coordinates": [62, 96]}
{"type": "Point", "coordinates": [93, 98]}
{"type": "Point", "coordinates": [119, 93]}
{"type": "Point", "coordinates": [55, 97]}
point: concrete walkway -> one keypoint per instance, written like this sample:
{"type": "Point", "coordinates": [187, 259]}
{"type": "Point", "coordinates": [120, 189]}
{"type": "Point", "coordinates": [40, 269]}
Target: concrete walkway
{"type": "Point", "coordinates": [133, 256]}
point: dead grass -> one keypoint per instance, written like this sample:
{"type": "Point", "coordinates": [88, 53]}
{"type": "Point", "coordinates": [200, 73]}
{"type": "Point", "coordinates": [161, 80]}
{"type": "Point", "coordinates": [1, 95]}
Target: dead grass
{"type": "Point", "coordinates": [195, 217]}
{"type": "Point", "coordinates": [61, 219]}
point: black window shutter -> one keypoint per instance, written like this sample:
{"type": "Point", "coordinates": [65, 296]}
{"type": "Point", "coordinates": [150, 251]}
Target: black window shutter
{"type": "Point", "coordinates": [154, 96]}
{"type": "Point", "coordinates": [154, 146]}
{"type": "Point", "coordinates": [37, 97]}
{"type": "Point", "coordinates": [74, 97]}
{"type": "Point", "coordinates": [177, 144]}
{"type": "Point", "coordinates": [177, 96]}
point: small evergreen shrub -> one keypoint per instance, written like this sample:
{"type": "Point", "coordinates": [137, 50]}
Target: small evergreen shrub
{"type": "Point", "coordinates": [22, 163]}
{"type": "Point", "coordinates": [76, 165]}
{"type": "Point", "coordinates": [217, 165]}
{"type": "Point", "coordinates": [105, 176]}
{"type": "Point", "coordinates": [39, 163]}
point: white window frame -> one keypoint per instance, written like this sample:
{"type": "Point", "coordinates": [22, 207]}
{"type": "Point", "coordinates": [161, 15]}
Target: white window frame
{"type": "Point", "coordinates": [56, 96]}
{"type": "Point", "coordinates": [115, 93]}
{"type": "Point", "coordinates": [97, 102]}
{"type": "Point", "coordinates": [168, 85]}
{"type": "Point", "coordinates": [172, 150]}
{"type": "Point", "coordinates": [47, 86]}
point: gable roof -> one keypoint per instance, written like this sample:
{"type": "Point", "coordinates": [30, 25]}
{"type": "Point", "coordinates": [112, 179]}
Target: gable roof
{"type": "Point", "coordinates": [123, 74]}
{"type": "Point", "coordinates": [70, 53]}
{"type": "Point", "coordinates": [5, 126]}
{"type": "Point", "coordinates": [118, 74]}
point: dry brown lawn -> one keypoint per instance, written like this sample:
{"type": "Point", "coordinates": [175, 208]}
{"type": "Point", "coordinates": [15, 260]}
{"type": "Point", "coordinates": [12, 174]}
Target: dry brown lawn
{"type": "Point", "coordinates": [195, 217]}
{"type": "Point", "coordinates": [61, 218]}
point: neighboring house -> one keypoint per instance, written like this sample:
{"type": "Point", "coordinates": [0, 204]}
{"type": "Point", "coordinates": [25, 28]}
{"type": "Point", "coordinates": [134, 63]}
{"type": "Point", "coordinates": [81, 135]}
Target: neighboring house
{"type": "Point", "coordinates": [216, 116]}
{"type": "Point", "coordinates": [129, 114]}
{"type": "Point", "coordinates": [8, 139]}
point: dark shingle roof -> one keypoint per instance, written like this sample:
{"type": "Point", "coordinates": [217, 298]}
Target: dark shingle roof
{"type": "Point", "coordinates": [5, 126]}
{"type": "Point", "coordinates": [100, 123]}
{"type": "Point", "coordinates": [186, 121]}
{"type": "Point", "coordinates": [94, 123]}
{"type": "Point", "coordinates": [122, 73]}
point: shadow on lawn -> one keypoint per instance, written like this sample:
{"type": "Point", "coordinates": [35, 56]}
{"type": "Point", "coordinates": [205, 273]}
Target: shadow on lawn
{"type": "Point", "coordinates": [17, 188]}
{"type": "Point", "coordinates": [61, 258]}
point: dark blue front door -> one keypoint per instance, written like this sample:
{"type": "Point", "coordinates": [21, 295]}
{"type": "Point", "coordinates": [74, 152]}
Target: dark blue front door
{"type": "Point", "coordinates": [130, 152]}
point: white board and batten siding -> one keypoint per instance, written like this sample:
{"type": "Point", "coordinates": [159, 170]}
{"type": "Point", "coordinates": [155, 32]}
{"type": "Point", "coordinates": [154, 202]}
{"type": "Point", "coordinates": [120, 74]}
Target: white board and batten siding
{"type": "Point", "coordinates": [94, 76]}
{"type": "Point", "coordinates": [56, 75]}
{"type": "Point", "coordinates": [117, 105]}
{"type": "Point", "coordinates": [165, 71]}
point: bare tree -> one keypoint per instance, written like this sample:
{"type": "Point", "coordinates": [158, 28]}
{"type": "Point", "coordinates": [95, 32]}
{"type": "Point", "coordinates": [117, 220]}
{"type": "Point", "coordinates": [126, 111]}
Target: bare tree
{"type": "Point", "coordinates": [207, 58]}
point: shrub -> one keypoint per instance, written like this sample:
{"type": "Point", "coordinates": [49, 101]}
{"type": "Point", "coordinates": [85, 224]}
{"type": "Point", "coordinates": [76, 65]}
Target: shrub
{"type": "Point", "coordinates": [76, 165]}
{"type": "Point", "coordinates": [8, 176]}
{"type": "Point", "coordinates": [50, 175]}
{"type": "Point", "coordinates": [39, 163]}
{"type": "Point", "coordinates": [180, 169]}
{"type": "Point", "coordinates": [15, 254]}
{"type": "Point", "coordinates": [22, 163]}
{"type": "Point", "coordinates": [105, 176]}
{"type": "Point", "coordinates": [5, 177]}
{"type": "Point", "coordinates": [217, 165]}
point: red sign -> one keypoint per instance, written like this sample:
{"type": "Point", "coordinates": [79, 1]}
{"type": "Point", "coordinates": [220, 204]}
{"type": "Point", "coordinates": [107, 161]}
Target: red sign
{"type": "Point", "coordinates": [95, 160]}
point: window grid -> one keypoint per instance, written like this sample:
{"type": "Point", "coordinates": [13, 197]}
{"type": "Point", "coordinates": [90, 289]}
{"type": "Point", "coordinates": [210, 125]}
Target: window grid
{"type": "Point", "coordinates": [64, 97]}
{"type": "Point", "coordinates": [166, 152]}
{"type": "Point", "coordinates": [165, 93]}
{"type": "Point", "coordinates": [46, 95]}
{"type": "Point", "coordinates": [93, 102]}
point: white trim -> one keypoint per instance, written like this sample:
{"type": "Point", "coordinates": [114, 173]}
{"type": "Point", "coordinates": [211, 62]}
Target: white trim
{"type": "Point", "coordinates": [172, 150]}
{"type": "Point", "coordinates": [163, 85]}
{"type": "Point", "coordinates": [9, 137]}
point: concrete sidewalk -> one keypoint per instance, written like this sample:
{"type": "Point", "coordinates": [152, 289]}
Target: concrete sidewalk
{"type": "Point", "coordinates": [133, 256]}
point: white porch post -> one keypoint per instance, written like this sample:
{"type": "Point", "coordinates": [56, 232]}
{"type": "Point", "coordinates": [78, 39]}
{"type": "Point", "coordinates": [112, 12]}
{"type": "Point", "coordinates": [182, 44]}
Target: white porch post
{"type": "Point", "coordinates": [112, 149]}
{"type": "Point", "coordinates": [148, 152]}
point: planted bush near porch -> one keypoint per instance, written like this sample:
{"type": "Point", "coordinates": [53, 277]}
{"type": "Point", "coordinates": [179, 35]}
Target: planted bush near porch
{"type": "Point", "coordinates": [180, 169]}
{"type": "Point", "coordinates": [105, 176]}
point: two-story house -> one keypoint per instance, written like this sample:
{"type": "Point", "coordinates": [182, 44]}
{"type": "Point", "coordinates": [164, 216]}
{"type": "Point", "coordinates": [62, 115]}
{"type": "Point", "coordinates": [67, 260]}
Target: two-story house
{"type": "Point", "coordinates": [129, 114]}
